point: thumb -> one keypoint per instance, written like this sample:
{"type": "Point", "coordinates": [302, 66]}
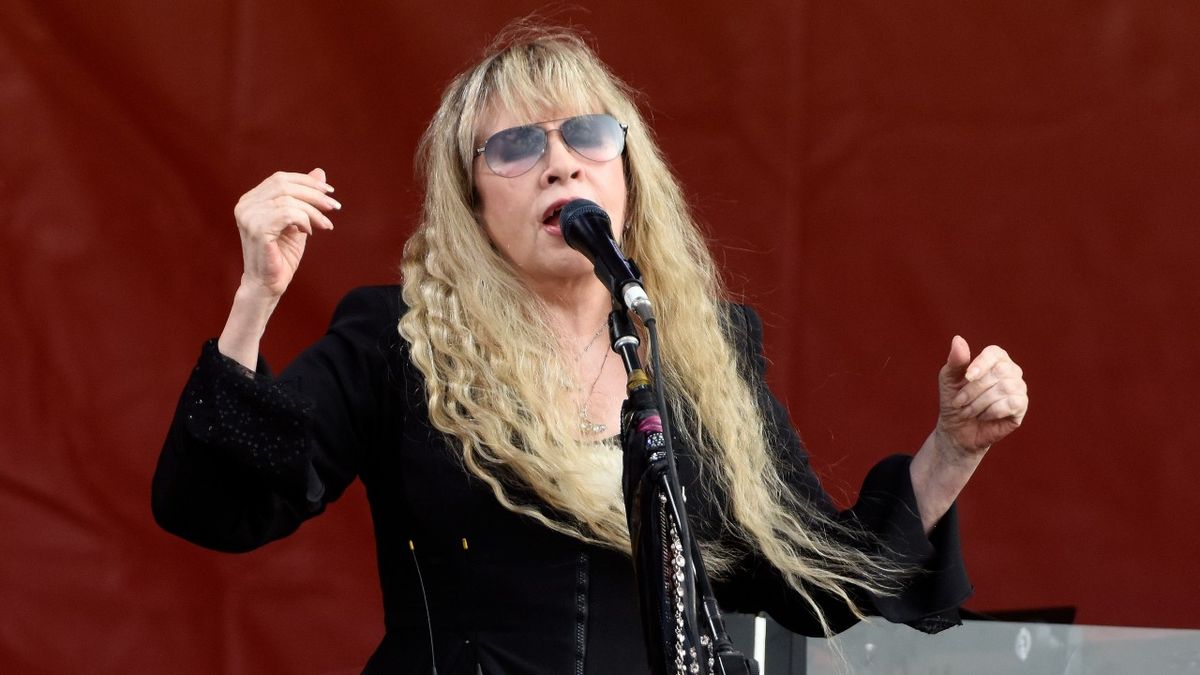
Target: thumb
{"type": "Point", "coordinates": [957, 360]}
{"type": "Point", "coordinates": [318, 173]}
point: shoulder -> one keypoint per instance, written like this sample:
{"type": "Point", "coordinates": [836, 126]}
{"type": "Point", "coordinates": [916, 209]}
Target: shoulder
{"type": "Point", "coordinates": [368, 316]}
{"type": "Point", "coordinates": [381, 302]}
{"type": "Point", "coordinates": [744, 331]}
{"type": "Point", "coordinates": [744, 328]}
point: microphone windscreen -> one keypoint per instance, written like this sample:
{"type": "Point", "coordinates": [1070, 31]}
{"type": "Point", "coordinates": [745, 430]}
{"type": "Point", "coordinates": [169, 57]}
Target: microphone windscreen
{"type": "Point", "coordinates": [583, 222]}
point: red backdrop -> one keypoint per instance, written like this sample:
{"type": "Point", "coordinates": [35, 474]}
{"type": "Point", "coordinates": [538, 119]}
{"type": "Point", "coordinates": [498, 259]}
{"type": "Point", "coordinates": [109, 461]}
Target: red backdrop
{"type": "Point", "coordinates": [875, 178]}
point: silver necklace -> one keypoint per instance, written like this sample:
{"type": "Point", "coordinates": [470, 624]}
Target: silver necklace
{"type": "Point", "coordinates": [586, 426]}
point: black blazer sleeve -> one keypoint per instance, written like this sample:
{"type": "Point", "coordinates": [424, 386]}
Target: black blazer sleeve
{"type": "Point", "coordinates": [886, 511]}
{"type": "Point", "coordinates": [249, 457]}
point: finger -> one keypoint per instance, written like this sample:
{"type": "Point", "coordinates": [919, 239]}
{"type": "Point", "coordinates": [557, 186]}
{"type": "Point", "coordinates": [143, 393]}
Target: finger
{"type": "Point", "coordinates": [1008, 368]}
{"type": "Point", "coordinates": [1010, 407]}
{"type": "Point", "coordinates": [297, 217]}
{"type": "Point", "coordinates": [972, 390]}
{"type": "Point", "coordinates": [290, 212]}
{"type": "Point", "coordinates": [956, 360]}
{"type": "Point", "coordinates": [998, 390]}
{"type": "Point", "coordinates": [270, 218]}
{"type": "Point", "coordinates": [987, 358]}
{"type": "Point", "coordinates": [313, 216]}
{"type": "Point", "coordinates": [313, 196]}
{"type": "Point", "coordinates": [280, 178]}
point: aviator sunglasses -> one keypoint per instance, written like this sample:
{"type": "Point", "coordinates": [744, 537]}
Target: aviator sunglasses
{"type": "Point", "coordinates": [512, 152]}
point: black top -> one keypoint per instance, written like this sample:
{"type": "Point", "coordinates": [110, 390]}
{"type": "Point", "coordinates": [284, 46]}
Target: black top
{"type": "Point", "coordinates": [247, 459]}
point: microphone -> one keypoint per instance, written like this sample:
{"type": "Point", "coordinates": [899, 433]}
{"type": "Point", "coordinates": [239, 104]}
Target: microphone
{"type": "Point", "coordinates": [587, 229]}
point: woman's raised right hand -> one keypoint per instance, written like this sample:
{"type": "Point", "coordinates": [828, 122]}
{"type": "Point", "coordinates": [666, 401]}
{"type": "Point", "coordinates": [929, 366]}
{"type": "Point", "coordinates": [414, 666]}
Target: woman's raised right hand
{"type": "Point", "coordinates": [275, 220]}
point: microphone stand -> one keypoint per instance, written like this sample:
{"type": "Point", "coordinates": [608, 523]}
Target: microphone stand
{"type": "Point", "coordinates": [673, 587]}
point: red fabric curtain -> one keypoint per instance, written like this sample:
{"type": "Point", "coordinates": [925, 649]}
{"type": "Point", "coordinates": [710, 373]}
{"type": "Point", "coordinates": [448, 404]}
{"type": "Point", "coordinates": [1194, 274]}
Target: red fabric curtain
{"type": "Point", "coordinates": [876, 178]}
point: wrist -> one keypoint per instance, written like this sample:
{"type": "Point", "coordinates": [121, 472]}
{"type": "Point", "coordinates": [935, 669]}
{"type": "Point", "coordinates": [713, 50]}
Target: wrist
{"type": "Point", "coordinates": [254, 293]}
{"type": "Point", "coordinates": [949, 449]}
{"type": "Point", "coordinates": [939, 471]}
{"type": "Point", "coordinates": [252, 307]}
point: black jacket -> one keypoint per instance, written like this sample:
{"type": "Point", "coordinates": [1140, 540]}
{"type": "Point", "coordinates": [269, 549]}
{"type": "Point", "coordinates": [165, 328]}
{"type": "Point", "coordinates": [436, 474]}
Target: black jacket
{"type": "Point", "coordinates": [248, 459]}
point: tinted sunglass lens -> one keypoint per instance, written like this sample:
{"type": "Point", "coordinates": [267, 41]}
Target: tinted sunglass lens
{"type": "Point", "coordinates": [514, 151]}
{"type": "Point", "coordinates": [600, 138]}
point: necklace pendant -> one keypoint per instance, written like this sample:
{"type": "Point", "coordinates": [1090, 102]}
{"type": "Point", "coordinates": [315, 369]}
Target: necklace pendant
{"type": "Point", "coordinates": [586, 426]}
{"type": "Point", "coordinates": [591, 428]}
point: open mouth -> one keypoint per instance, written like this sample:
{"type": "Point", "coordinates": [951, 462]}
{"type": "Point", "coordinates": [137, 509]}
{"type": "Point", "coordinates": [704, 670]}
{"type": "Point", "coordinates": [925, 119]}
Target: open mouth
{"type": "Point", "coordinates": [552, 213]}
{"type": "Point", "coordinates": [552, 217]}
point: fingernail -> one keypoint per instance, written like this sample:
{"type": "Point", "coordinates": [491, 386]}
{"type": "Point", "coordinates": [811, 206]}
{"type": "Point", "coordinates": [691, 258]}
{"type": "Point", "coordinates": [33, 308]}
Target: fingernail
{"type": "Point", "coordinates": [972, 373]}
{"type": "Point", "coordinates": [337, 206]}
{"type": "Point", "coordinates": [328, 188]}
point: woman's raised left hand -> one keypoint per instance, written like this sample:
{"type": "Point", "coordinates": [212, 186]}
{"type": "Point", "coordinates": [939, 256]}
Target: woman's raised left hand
{"type": "Point", "coordinates": [982, 400]}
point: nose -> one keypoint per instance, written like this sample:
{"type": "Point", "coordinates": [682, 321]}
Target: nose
{"type": "Point", "coordinates": [561, 162]}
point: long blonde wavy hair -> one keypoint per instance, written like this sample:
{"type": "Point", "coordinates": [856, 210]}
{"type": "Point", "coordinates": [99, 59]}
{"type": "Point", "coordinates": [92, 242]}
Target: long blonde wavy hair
{"type": "Point", "coordinates": [493, 365]}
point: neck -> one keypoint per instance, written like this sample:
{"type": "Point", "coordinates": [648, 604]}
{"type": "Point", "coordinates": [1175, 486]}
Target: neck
{"type": "Point", "coordinates": [576, 308]}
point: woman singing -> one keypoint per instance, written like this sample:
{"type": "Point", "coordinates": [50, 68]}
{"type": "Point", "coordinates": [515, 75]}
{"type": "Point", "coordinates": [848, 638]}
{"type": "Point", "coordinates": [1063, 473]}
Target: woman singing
{"type": "Point", "coordinates": [478, 402]}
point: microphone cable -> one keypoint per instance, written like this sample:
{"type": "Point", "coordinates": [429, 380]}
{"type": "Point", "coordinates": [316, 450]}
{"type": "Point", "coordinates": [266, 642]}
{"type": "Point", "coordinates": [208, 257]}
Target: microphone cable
{"type": "Point", "coordinates": [425, 599]}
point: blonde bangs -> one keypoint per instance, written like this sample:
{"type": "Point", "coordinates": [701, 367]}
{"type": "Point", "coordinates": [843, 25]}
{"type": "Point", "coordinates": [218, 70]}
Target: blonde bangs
{"type": "Point", "coordinates": [537, 81]}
